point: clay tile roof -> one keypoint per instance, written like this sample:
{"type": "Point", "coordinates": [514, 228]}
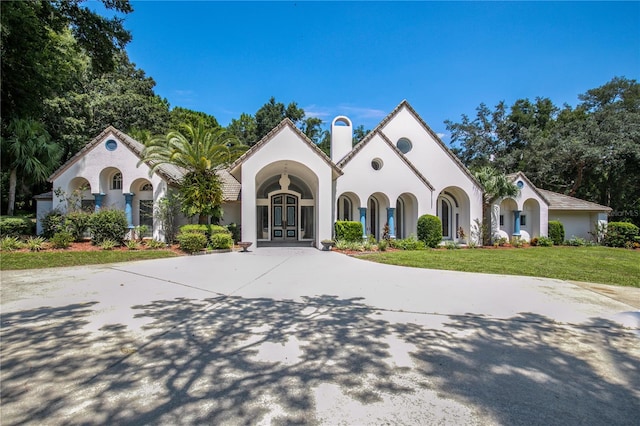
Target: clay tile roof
{"type": "Point", "coordinates": [564, 202]}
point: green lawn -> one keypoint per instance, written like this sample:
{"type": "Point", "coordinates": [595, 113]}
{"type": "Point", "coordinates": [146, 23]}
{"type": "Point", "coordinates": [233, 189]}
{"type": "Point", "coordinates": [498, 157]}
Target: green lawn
{"type": "Point", "coordinates": [50, 259]}
{"type": "Point", "coordinates": [590, 264]}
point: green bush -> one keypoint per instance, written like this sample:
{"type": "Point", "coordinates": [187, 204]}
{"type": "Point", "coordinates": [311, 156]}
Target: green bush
{"type": "Point", "coordinates": [108, 225]}
{"type": "Point", "coordinates": [383, 244]}
{"type": "Point", "coordinates": [77, 223]}
{"type": "Point", "coordinates": [221, 241]}
{"type": "Point", "coordinates": [52, 223]}
{"type": "Point", "coordinates": [410, 243]}
{"type": "Point", "coordinates": [154, 244]}
{"type": "Point", "coordinates": [35, 243]}
{"type": "Point", "coordinates": [430, 230]}
{"type": "Point", "coordinates": [556, 232]}
{"type": "Point", "coordinates": [234, 229]}
{"type": "Point", "coordinates": [10, 244]}
{"type": "Point", "coordinates": [348, 230]}
{"type": "Point", "coordinates": [201, 229]}
{"type": "Point", "coordinates": [108, 244]}
{"type": "Point", "coordinates": [621, 234]}
{"type": "Point", "coordinates": [349, 245]}
{"type": "Point", "coordinates": [16, 226]}
{"type": "Point", "coordinates": [61, 240]}
{"type": "Point", "coordinates": [576, 241]}
{"type": "Point", "coordinates": [544, 242]}
{"type": "Point", "coordinates": [192, 242]}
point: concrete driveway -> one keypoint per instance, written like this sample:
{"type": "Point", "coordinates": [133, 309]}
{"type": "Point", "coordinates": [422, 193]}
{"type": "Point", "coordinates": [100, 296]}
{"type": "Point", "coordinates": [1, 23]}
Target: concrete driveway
{"type": "Point", "coordinates": [299, 336]}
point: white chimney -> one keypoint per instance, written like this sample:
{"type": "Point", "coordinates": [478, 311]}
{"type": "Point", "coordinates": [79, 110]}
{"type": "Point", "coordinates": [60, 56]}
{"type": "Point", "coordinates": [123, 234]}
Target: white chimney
{"type": "Point", "coordinates": [341, 138]}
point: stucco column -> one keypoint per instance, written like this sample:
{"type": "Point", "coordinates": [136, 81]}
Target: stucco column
{"type": "Point", "coordinates": [391, 222]}
{"type": "Point", "coordinates": [363, 221]}
{"type": "Point", "coordinates": [128, 210]}
{"type": "Point", "coordinates": [98, 196]}
{"type": "Point", "coordinates": [516, 223]}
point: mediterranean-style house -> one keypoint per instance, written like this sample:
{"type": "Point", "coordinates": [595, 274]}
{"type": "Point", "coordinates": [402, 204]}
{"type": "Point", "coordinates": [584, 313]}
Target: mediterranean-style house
{"type": "Point", "coordinates": [285, 191]}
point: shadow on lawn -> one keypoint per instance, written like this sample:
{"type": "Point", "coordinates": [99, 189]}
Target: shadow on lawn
{"type": "Point", "coordinates": [238, 360]}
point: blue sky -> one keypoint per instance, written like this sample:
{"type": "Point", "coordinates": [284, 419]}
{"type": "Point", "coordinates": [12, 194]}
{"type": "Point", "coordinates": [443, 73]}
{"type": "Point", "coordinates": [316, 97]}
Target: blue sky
{"type": "Point", "coordinates": [361, 59]}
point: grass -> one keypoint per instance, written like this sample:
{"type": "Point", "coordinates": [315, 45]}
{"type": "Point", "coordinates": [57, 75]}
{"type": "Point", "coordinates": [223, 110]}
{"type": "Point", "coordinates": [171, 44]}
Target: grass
{"type": "Point", "coordinates": [589, 264]}
{"type": "Point", "coordinates": [39, 260]}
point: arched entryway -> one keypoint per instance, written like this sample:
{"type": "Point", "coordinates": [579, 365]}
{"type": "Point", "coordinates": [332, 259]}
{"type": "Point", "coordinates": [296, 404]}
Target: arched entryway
{"type": "Point", "coordinates": [79, 196]}
{"type": "Point", "coordinates": [530, 219]}
{"type": "Point", "coordinates": [508, 212]}
{"type": "Point", "coordinates": [142, 205]}
{"type": "Point", "coordinates": [406, 216]}
{"type": "Point", "coordinates": [453, 209]}
{"type": "Point", "coordinates": [347, 207]}
{"type": "Point", "coordinates": [285, 205]}
{"type": "Point", "coordinates": [377, 214]}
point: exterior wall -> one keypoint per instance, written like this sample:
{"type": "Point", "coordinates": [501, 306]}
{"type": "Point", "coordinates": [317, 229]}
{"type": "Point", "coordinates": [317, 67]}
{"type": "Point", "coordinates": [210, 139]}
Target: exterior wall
{"type": "Point", "coordinates": [232, 213]}
{"type": "Point", "coordinates": [435, 163]}
{"type": "Point", "coordinates": [392, 179]}
{"type": "Point", "coordinates": [98, 165]}
{"type": "Point", "coordinates": [528, 203]}
{"type": "Point", "coordinates": [43, 206]}
{"type": "Point", "coordinates": [577, 223]}
{"type": "Point", "coordinates": [287, 152]}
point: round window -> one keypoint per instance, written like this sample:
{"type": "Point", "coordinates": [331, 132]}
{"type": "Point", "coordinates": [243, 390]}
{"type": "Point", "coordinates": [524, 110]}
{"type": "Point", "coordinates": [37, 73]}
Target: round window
{"type": "Point", "coordinates": [520, 184]}
{"type": "Point", "coordinates": [376, 164]}
{"type": "Point", "coordinates": [111, 145]}
{"type": "Point", "coordinates": [404, 145]}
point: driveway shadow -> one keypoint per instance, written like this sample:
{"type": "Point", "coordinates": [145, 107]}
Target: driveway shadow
{"type": "Point", "coordinates": [241, 361]}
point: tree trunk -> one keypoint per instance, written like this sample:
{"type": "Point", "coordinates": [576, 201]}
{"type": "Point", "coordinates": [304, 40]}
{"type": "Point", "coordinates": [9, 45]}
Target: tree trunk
{"type": "Point", "coordinates": [202, 219]}
{"type": "Point", "coordinates": [13, 181]}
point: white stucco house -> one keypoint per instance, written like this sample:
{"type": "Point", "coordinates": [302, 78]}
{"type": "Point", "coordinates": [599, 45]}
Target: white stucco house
{"type": "Point", "coordinates": [286, 191]}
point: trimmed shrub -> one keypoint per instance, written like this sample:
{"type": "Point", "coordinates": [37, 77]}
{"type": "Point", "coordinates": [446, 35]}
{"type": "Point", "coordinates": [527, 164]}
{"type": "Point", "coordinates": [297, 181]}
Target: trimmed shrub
{"type": "Point", "coordinates": [108, 225]}
{"type": "Point", "coordinates": [410, 243]}
{"type": "Point", "coordinates": [430, 230]}
{"type": "Point", "coordinates": [61, 240]}
{"type": "Point", "coordinates": [221, 241]}
{"type": "Point", "coordinates": [621, 234]}
{"type": "Point", "coordinates": [201, 229]}
{"type": "Point", "coordinates": [16, 226]}
{"type": "Point", "coordinates": [52, 223]}
{"type": "Point", "coordinates": [216, 229]}
{"type": "Point", "coordinates": [191, 242]}
{"type": "Point", "coordinates": [77, 223]}
{"type": "Point", "coordinates": [556, 232]}
{"type": "Point", "coordinates": [348, 230]}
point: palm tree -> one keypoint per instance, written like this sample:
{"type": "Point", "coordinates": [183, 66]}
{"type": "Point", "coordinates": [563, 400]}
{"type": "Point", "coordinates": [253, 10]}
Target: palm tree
{"type": "Point", "coordinates": [29, 154]}
{"type": "Point", "coordinates": [199, 151]}
{"type": "Point", "coordinates": [496, 185]}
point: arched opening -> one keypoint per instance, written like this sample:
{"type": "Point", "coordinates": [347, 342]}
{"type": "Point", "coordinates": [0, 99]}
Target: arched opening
{"type": "Point", "coordinates": [111, 186]}
{"type": "Point", "coordinates": [406, 215]}
{"type": "Point", "coordinates": [453, 208]}
{"type": "Point", "coordinates": [530, 219]}
{"type": "Point", "coordinates": [285, 204]}
{"type": "Point", "coordinates": [506, 219]}
{"type": "Point", "coordinates": [377, 214]}
{"type": "Point", "coordinates": [79, 196]}
{"type": "Point", "coordinates": [347, 207]}
{"type": "Point", "coordinates": [142, 205]}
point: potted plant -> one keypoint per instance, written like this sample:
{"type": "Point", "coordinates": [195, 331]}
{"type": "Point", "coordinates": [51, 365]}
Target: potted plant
{"type": "Point", "coordinates": [327, 244]}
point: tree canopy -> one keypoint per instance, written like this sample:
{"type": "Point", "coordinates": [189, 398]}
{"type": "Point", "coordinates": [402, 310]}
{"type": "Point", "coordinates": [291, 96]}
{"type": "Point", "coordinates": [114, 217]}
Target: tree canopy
{"type": "Point", "coordinates": [591, 151]}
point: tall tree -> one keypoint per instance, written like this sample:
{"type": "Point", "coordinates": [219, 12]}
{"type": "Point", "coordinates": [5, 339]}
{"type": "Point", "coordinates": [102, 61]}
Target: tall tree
{"type": "Point", "coordinates": [29, 155]}
{"type": "Point", "coordinates": [496, 185]}
{"type": "Point", "coordinates": [200, 151]}
{"type": "Point", "coordinates": [272, 113]}
{"type": "Point", "coordinates": [244, 128]}
{"type": "Point", "coordinates": [123, 98]}
{"type": "Point", "coordinates": [180, 116]}
{"type": "Point", "coordinates": [32, 68]}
